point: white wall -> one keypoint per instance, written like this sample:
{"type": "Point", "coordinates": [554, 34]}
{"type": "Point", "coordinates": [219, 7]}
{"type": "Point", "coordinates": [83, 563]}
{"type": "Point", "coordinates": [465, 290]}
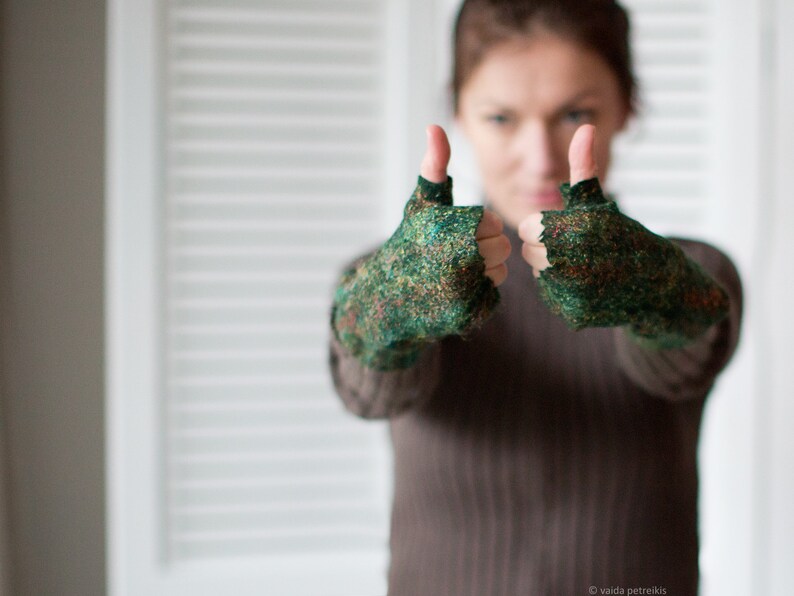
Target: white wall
{"type": "Point", "coordinates": [5, 555]}
{"type": "Point", "coordinates": [52, 336]}
{"type": "Point", "coordinates": [776, 298]}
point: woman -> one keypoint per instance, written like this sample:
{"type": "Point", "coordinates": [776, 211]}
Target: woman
{"type": "Point", "coordinates": [545, 432]}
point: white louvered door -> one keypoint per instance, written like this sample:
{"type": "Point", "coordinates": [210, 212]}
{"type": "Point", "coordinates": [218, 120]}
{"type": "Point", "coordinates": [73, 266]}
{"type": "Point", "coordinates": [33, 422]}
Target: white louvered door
{"type": "Point", "coordinates": [274, 139]}
{"type": "Point", "coordinates": [253, 142]}
{"type": "Point", "coordinates": [662, 164]}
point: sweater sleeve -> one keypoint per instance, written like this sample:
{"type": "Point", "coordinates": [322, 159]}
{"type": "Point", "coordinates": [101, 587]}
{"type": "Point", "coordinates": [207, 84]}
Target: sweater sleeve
{"type": "Point", "coordinates": [370, 393]}
{"type": "Point", "coordinates": [690, 371]}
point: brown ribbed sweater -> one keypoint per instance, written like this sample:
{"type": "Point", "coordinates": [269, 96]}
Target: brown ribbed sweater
{"type": "Point", "coordinates": [534, 460]}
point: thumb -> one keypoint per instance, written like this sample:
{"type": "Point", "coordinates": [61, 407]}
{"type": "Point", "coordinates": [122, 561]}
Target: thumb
{"type": "Point", "coordinates": [584, 188]}
{"type": "Point", "coordinates": [434, 165]}
{"type": "Point", "coordinates": [580, 154]}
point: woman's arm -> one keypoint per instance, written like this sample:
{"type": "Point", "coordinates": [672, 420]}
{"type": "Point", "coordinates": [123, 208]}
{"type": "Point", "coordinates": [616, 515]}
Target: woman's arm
{"type": "Point", "coordinates": [676, 306]}
{"type": "Point", "coordinates": [374, 394]}
{"type": "Point", "coordinates": [435, 277]}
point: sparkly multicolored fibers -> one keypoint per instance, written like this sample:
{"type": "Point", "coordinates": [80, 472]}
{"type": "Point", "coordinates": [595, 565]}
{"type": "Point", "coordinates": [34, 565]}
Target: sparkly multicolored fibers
{"type": "Point", "coordinates": [608, 270]}
{"type": "Point", "coordinates": [425, 283]}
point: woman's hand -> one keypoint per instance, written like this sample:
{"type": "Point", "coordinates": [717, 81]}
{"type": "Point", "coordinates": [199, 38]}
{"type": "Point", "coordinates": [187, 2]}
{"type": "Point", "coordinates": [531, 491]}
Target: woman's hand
{"type": "Point", "coordinates": [493, 244]}
{"type": "Point", "coordinates": [599, 268]}
{"type": "Point", "coordinates": [583, 166]}
{"type": "Point", "coordinates": [435, 277]}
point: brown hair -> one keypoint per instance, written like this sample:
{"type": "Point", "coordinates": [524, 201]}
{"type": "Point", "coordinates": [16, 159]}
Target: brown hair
{"type": "Point", "coordinates": [598, 25]}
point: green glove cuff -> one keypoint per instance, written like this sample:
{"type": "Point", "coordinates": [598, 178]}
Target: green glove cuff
{"type": "Point", "coordinates": [426, 282]}
{"type": "Point", "coordinates": [608, 270]}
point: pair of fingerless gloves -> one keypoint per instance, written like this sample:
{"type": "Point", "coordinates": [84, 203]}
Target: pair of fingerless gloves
{"type": "Point", "coordinates": [427, 281]}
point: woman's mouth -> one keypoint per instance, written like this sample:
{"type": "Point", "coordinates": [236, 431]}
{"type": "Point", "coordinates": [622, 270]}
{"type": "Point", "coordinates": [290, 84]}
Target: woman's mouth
{"type": "Point", "coordinates": [544, 199]}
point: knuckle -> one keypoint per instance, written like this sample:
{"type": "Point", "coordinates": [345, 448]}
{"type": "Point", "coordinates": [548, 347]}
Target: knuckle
{"type": "Point", "coordinates": [526, 252]}
{"type": "Point", "coordinates": [497, 274]}
{"type": "Point", "coordinates": [490, 224]}
{"type": "Point", "coordinates": [506, 247]}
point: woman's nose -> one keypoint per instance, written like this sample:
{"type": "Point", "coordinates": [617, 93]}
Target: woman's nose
{"type": "Point", "coordinates": [537, 151]}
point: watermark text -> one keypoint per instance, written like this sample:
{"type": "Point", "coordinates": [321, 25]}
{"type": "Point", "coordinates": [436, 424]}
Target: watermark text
{"type": "Point", "coordinates": [627, 591]}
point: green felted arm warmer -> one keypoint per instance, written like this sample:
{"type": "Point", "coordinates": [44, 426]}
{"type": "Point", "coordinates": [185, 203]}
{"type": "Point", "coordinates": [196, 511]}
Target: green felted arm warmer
{"type": "Point", "coordinates": [426, 282]}
{"type": "Point", "coordinates": [608, 270]}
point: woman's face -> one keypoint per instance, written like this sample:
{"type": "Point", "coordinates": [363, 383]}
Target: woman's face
{"type": "Point", "coordinates": [520, 108]}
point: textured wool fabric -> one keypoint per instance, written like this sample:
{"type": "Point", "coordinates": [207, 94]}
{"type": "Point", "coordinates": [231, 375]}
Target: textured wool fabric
{"type": "Point", "coordinates": [534, 460]}
{"type": "Point", "coordinates": [608, 270]}
{"type": "Point", "coordinates": [425, 283]}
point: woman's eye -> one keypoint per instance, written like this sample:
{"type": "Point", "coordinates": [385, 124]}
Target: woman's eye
{"type": "Point", "coordinates": [579, 116]}
{"type": "Point", "coordinates": [498, 119]}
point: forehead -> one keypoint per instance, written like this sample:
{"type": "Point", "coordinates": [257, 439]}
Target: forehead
{"type": "Point", "coordinates": [544, 72]}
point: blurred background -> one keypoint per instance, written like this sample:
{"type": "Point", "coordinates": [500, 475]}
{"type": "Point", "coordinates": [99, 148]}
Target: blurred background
{"type": "Point", "coordinates": [181, 182]}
